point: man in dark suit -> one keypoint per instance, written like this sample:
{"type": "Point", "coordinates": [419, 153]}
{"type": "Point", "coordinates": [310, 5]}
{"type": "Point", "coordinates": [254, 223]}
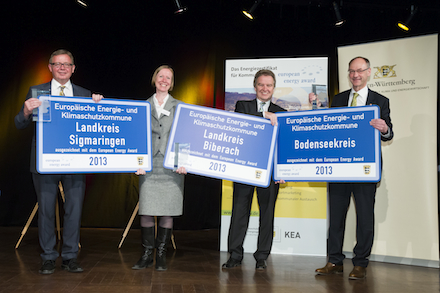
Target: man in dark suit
{"type": "Point", "coordinates": [61, 66]}
{"type": "Point", "coordinates": [264, 84]}
{"type": "Point", "coordinates": [363, 193]}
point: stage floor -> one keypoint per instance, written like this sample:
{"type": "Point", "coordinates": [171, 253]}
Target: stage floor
{"type": "Point", "coordinates": [194, 267]}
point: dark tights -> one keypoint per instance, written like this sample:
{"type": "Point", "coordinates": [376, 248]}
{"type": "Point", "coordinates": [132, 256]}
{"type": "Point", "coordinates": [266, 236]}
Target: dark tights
{"type": "Point", "coordinates": [164, 221]}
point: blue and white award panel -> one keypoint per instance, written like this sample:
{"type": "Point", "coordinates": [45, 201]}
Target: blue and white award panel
{"type": "Point", "coordinates": [221, 144]}
{"type": "Point", "coordinates": [332, 145]}
{"type": "Point", "coordinates": [77, 135]}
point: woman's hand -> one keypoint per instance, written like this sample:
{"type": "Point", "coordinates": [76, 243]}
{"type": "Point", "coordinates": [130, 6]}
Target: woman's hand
{"type": "Point", "coordinates": [140, 172]}
{"type": "Point", "coordinates": [181, 170]}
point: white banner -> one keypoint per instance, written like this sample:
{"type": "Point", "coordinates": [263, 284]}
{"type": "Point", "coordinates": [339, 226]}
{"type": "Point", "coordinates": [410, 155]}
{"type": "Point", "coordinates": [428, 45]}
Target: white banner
{"type": "Point", "coordinates": [406, 227]}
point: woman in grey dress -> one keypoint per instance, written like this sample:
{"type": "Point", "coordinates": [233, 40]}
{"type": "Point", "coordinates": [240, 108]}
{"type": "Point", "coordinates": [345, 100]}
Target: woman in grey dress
{"type": "Point", "coordinates": [161, 190]}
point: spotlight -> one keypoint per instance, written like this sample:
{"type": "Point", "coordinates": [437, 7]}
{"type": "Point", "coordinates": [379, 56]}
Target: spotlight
{"type": "Point", "coordinates": [180, 8]}
{"type": "Point", "coordinates": [248, 14]}
{"type": "Point", "coordinates": [339, 21]}
{"type": "Point", "coordinates": [82, 3]}
{"type": "Point", "coordinates": [405, 25]}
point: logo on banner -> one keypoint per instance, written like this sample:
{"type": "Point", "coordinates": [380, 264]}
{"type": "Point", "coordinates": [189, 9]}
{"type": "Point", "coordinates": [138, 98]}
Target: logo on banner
{"type": "Point", "coordinates": [258, 174]}
{"type": "Point", "coordinates": [367, 169]}
{"type": "Point", "coordinates": [140, 161]}
{"type": "Point", "coordinates": [385, 71]}
{"type": "Point", "coordinates": [312, 70]}
{"type": "Point", "coordinates": [292, 234]}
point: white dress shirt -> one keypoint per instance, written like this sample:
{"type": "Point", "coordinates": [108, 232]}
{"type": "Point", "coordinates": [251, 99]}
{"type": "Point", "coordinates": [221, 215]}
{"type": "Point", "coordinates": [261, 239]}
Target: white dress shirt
{"type": "Point", "coordinates": [361, 100]}
{"type": "Point", "coordinates": [265, 107]}
{"type": "Point", "coordinates": [55, 88]}
{"type": "Point", "coordinates": [160, 108]}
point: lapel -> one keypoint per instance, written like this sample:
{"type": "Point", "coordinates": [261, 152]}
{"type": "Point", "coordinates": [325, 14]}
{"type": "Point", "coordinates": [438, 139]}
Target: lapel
{"type": "Point", "coordinates": [271, 107]}
{"type": "Point", "coordinates": [153, 108]}
{"type": "Point", "coordinates": [346, 98]}
{"type": "Point", "coordinates": [47, 86]}
{"type": "Point", "coordinates": [371, 99]}
{"type": "Point", "coordinates": [171, 102]}
{"type": "Point", "coordinates": [254, 107]}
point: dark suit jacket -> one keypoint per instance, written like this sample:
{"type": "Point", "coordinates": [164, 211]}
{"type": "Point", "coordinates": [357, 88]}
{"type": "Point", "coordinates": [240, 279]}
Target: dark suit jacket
{"type": "Point", "coordinates": [21, 122]}
{"type": "Point", "coordinates": [250, 107]}
{"type": "Point", "coordinates": [341, 100]}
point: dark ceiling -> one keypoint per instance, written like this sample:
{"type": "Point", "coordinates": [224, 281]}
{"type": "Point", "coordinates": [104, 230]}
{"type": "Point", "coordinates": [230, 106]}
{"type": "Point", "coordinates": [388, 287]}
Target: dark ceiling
{"type": "Point", "coordinates": [132, 37]}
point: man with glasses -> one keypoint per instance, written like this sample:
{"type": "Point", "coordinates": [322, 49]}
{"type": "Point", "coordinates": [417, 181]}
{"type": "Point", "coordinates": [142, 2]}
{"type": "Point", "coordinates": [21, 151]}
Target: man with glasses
{"type": "Point", "coordinates": [363, 193]}
{"type": "Point", "coordinates": [61, 66]}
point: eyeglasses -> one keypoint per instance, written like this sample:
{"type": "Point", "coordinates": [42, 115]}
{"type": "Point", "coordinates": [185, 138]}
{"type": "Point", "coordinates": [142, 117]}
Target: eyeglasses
{"type": "Point", "coordinates": [58, 65]}
{"type": "Point", "coordinates": [359, 71]}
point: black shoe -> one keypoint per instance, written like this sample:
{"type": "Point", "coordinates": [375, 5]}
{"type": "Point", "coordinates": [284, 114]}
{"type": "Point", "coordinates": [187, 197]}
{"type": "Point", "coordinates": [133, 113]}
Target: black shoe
{"type": "Point", "coordinates": [261, 264]}
{"type": "Point", "coordinates": [231, 263]}
{"type": "Point", "coordinates": [146, 259]}
{"type": "Point", "coordinates": [72, 266]}
{"type": "Point", "coordinates": [162, 240]}
{"type": "Point", "coordinates": [48, 267]}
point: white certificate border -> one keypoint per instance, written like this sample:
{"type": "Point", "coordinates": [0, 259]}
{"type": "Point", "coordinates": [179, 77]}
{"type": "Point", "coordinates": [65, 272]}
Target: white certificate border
{"type": "Point", "coordinates": [89, 100]}
{"type": "Point", "coordinates": [198, 163]}
{"type": "Point", "coordinates": [83, 157]}
{"type": "Point", "coordinates": [377, 149]}
{"type": "Point", "coordinates": [169, 156]}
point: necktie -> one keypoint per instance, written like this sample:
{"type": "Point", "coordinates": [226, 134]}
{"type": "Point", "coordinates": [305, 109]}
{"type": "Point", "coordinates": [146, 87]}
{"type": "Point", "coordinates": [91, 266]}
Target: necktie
{"type": "Point", "coordinates": [261, 109]}
{"type": "Point", "coordinates": [62, 90]}
{"type": "Point", "coordinates": [354, 101]}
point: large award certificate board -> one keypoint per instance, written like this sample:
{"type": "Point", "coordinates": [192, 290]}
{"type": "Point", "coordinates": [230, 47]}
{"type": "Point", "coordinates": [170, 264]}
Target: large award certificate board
{"type": "Point", "coordinates": [335, 144]}
{"type": "Point", "coordinates": [77, 135]}
{"type": "Point", "coordinates": [221, 144]}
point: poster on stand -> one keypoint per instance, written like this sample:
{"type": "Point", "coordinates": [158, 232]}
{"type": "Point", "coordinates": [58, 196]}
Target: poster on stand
{"type": "Point", "coordinates": [301, 207]}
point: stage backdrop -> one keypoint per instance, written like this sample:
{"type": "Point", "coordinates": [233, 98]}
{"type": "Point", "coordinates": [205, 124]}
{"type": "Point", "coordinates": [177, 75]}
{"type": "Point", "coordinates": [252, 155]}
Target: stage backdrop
{"type": "Point", "coordinates": [301, 208]}
{"type": "Point", "coordinates": [405, 71]}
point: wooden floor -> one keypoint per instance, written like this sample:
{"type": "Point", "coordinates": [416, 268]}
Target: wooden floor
{"type": "Point", "coordinates": [194, 267]}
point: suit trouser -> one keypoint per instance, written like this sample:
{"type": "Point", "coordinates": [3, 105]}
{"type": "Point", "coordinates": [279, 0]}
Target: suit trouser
{"type": "Point", "coordinates": [339, 201]}
{"type": "Point", "coordinates": [46, 187]}
{"type": "Point", "coordinates": [241, 208]}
